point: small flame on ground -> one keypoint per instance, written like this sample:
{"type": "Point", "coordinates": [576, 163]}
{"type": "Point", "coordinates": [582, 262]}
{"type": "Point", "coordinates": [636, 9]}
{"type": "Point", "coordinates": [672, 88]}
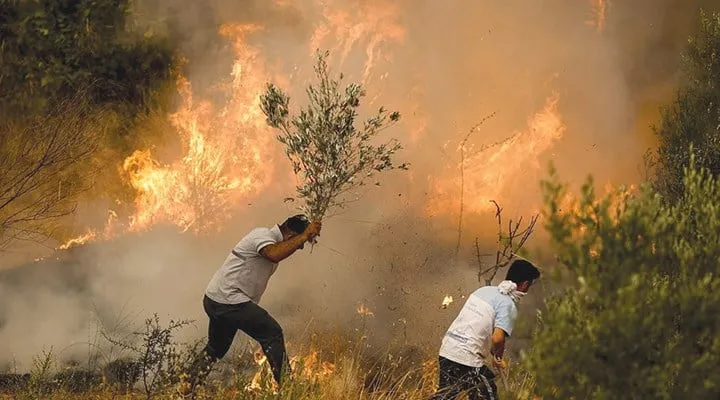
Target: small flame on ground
{"type": "Point", "coordinates": [447, 301]}
{"type": "Point", "coordinates": [256, 384]}
{"type": "Point", "coordinates": [77, 241]}
{"type": "Point", "coordinates": [364, 311]}
{"type": "Point", "coordinates": [92, 235]}
{"type": "Point", "coordinates": [308, 368]}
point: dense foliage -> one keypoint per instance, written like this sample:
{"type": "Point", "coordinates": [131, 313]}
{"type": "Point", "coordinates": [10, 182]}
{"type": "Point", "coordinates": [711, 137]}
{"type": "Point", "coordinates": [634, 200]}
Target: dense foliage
{"type": "Point", "coordinates": [50, 49]}
{"type": "Point", "coordinates": [640, 321]}
{"type": "Point", "coordinates": [76, 78]}
{"type": "Point", "coordinates": [694, 115]}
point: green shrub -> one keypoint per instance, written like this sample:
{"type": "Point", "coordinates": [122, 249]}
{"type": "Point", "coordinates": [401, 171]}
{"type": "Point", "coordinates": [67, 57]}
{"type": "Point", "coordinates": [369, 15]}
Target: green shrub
{"type": "Point", "coordinates": [694, 115]}
{"type": "Point", "coordinates": [640, 322]}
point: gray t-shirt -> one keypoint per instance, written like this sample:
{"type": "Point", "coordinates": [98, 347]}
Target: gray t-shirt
{"type": "Point", "coordinates": [245, 273]}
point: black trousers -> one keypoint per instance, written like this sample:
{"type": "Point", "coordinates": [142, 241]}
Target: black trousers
{"type": "Point", "coordinates": [456, 378]}
{"type": "Point", "coordinates": [226, 320]}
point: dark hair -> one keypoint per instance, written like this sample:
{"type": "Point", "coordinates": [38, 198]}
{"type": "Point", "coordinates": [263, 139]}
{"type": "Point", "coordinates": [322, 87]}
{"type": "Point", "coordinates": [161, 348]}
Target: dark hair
{"type": "Point", "coordinates": [521, 271]}
{"type": "Point", "coordinates": [296, 223]}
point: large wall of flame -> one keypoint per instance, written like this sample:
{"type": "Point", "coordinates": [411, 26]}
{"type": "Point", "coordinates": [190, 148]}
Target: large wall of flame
{"type": "Point", "coordinates": [444, 66]}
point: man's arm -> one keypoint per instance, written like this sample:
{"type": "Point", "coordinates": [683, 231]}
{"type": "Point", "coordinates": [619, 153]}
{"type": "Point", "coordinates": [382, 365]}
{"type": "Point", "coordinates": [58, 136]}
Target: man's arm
{"type": "Point", "coordinates": [279, 251]}
{"type": "Point", "coordinates": [498, 343]}
{"type": "Point", "coordinates": [282, 250]}
{"type": "Point", "coordinates": [504, 323]}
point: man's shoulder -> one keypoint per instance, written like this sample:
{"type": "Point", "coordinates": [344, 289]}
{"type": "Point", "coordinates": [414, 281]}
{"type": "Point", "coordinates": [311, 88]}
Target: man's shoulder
{"type": "Point", "coordinates": [259, 232]}
{"type": "Point", "coordinates": [486, 292]}
{"type": "Point", "coordinates": [492, 295]}
{"type": "Point", "coordinates": [507, 301]}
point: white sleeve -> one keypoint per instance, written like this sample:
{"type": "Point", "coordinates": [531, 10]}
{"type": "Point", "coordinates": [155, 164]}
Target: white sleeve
{"type": "Point", "coordinates": [505, 316]}
{"type": "Point", "coordinates": [262, 238]}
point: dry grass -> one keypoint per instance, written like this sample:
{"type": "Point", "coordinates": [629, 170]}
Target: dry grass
{"type": "Point", "coordinates": [326, 365]}
{"type": "Point", "coordinates": [351, 378]}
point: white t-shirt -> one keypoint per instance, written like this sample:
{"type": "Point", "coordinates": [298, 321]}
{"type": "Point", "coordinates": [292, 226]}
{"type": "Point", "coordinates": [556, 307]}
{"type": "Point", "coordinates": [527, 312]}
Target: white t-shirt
{"type": "Point", "coordinates": [245, 273]}
{"type": "Point", "coordinates": [468, 339]}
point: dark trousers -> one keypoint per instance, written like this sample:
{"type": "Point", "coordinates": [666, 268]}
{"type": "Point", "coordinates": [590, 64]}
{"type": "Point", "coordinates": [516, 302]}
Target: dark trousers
{"type": "Point", "coordinates": [225, 321]}
{"type": "Point", "coordinates": [456, 378]}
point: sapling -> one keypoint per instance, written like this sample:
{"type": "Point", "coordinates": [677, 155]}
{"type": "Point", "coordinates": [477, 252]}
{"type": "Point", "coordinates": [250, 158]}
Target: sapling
{"type": "Point", "coordinates": [330, 155]}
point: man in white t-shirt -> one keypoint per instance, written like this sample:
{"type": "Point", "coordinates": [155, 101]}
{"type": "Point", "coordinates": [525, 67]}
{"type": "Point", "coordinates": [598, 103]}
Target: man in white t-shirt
{"type": "Point", "coordinates": [232, 296]}
{"type": "Point", "coordinates": [477, 337]}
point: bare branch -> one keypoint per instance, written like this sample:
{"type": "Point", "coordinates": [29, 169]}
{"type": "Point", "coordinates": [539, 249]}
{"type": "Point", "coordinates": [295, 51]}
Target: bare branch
{"type": "Point", "coordinates": [475, 128]}
{"type": "Point", "coordinates": [508, 245]}
{"type": "Point", "coordinates": [41, 169]}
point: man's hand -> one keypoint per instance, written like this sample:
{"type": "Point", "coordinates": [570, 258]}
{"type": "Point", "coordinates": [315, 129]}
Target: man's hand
{"type": "Point", "coordinates": [497, 347]}
{"type": "Point", "coordinates": [312, 231]}
{"type": "Point", "coordinates": [282, 250]}
{"type": "Point", "coordinates": [499, 363]}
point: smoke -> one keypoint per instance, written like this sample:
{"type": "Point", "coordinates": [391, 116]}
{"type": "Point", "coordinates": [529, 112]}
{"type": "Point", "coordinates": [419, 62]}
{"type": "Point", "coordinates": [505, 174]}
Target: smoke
{"type": "Point", "coordinates": [444, 66]}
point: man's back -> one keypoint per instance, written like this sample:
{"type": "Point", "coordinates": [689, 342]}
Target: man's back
{"type": "Point", "coordinates": [467, 341]}
{"type": "Point", "coordinates": [245, 273]}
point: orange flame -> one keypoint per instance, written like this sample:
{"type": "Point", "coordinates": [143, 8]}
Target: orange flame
{"type": "Point", "coordinates": [599, 8]}
{"type": "Point", "coordinates": [570, 204]}
{"type": "Point", "coordinates": [80, 240]}
{"type": "Point", "coordinates": [617, 196]}
{"type": "Point", "coordinates": [263, 377]}
{"type": "Point", "coordinates": [222, 152]}
{"type": "Point", "coordinates": [488, 171]}
{"type": "Point", "coordinates": [364, 311]}
{"type": "Point", "coordinates": [308, 367]}
{"type": "Point", "coordinates": [93, 234]}
{"type": "Point", "coordinates": [226, 154]}
{"type": "Point", "coordinates": [447, 301]}
{"type": "Point", "coordinates": [372, 22]}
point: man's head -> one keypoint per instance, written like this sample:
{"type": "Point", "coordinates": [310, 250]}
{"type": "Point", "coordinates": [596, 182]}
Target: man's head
{"type": "Point", "coordinates": [294, 226]}
{"type": "Point", "coordinates": [523, 273]}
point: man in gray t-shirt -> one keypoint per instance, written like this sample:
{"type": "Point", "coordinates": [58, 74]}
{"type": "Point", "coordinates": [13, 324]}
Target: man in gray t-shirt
{"type": "Point", "coordinates": [232, 296]}
{"type": "Point", "coordinates": [245, 273]}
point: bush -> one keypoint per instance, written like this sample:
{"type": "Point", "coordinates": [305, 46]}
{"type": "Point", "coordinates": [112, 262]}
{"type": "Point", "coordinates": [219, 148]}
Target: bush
{"type": "Point", "coordinates": [157, 360]}
{"type": "Point", "coordinates": [641, 320]}
{"type": "Point", "coordinates": [50, 49]}
{"type": "Point", "coordinates": [44, 169]}
{"type": "Point", "coordinates": [694, 116]}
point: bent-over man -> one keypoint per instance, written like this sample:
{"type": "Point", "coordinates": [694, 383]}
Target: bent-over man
{"type": "Point", "coordinates": [232, 296]}
{"type": "Point", "coordinates": [476, 339]}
